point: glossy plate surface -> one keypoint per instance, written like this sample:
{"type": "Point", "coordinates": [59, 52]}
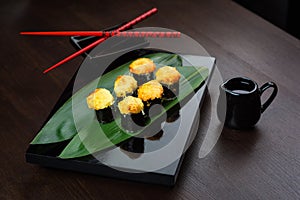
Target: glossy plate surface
{"type": "Point", "coordinates": [135, 154]}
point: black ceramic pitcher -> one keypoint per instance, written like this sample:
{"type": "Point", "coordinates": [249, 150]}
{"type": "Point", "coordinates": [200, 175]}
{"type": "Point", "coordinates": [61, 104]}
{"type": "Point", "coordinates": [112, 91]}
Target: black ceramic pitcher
{"type": "Point", "coordinates": [240, 102]}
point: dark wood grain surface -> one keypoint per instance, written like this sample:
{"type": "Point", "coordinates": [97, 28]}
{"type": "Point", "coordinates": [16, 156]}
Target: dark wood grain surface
{"type": "Point", "coordinates": [263, 163]}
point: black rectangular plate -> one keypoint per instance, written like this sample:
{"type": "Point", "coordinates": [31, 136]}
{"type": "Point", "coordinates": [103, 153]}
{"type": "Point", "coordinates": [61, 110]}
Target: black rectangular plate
{"type": "Point", "coordinates": [46, 154]}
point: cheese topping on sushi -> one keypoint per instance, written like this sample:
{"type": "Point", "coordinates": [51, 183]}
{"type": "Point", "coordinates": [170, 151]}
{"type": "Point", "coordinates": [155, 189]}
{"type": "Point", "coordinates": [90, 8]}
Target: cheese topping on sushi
{"type": "Point", "coordinates": [124, 85]}
{"type": "Point", "coordinates": [142, 66]}
{"type": "Point", "coordinates": [150, 90]}
{"type": "Point", "coordinates": [131, 105]}
{"type": "Point", "coordinates": [167, 75]}
{"type": "Point", "coordinates": [99, 99]}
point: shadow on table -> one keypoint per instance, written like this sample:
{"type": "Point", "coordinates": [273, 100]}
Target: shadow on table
{"type": "Point", "coordinates": [238, 142]}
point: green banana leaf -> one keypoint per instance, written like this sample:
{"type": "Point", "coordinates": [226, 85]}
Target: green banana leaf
{"type": "Point", "coordinates": [96, 137]}
{"type": "Point", "coordinates": [88, 136]}
{"type": "Point", "coordinates": [62, 127]}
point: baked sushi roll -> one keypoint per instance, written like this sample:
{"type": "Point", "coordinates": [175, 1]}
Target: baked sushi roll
{"type": "Point", "coordinates": [151, 93]}
{"type": "Point", "coordinates": [124, 86]}
{"type": "Point", "coordinates": [132, 114]}
{"type": "Point", "coordinates": [101, 101]}
{"type": "Point", "coordinates": [142, 70]}
{"type": "Point", "coordinates": [169, 78]}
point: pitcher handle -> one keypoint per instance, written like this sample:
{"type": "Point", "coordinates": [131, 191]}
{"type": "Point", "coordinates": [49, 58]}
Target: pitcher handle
{"type": "Point", "coordinates": [271, 98]}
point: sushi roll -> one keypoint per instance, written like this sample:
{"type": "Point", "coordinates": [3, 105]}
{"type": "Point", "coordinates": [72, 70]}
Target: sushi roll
{"type": "Point", "coordinates": [151, 93]}
{"type": "Point", "coordinates": [132, 114]}
{"type": "Point", "coordinates": [101, 101]}
{"type": "Point", "coordinates": [169, 78]}
{"type": "Point", "coordinates": [124, 86]}
{"type": "Point", "coordinates": [142, 70]}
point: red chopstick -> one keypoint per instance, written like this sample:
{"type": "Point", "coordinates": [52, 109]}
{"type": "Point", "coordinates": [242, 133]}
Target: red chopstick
{"type": "Point", "coordinates": [70, 33]}
{"type": "Point", "coordinates": [106, 33]}
{"type": "Point", "coordinates": [122, 28]}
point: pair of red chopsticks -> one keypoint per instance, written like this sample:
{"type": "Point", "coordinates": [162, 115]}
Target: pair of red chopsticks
{"type": "Point", "coordinates": [105, 35]}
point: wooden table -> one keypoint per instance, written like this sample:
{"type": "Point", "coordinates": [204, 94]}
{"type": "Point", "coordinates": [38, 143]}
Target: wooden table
{"type": "Point", "coordinates": [263, 163]}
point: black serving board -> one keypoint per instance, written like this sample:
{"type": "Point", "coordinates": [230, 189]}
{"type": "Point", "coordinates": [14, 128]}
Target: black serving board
{"type": "Point", "coordinates": [46, 154]}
